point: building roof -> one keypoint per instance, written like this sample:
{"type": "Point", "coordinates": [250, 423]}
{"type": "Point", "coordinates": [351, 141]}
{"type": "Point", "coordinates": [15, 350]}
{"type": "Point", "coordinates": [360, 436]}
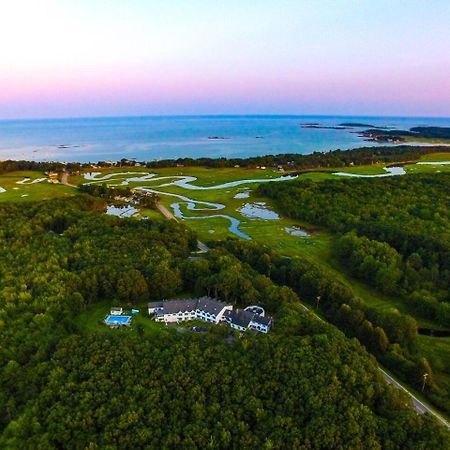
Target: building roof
{"type": "Point", "coordinates": [176, 306]}
{"type": "Point", "coordinates": [155, 305]}
{"type": "Point", "coordinates": [210, 305]}
{"type": "Point", "coordinates": [243, 318]}
{"type": "Point", "coordinates": [206, 304]}
{"type": "Point", "coordinates": [262, 320]}
{"type": "Point", "coordinates": [239, 317]}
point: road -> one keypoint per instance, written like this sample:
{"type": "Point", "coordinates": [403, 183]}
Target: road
{"type": "Point", "coordinates": [419, 406]}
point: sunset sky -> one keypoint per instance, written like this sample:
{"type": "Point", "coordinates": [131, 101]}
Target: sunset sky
{"type": "Point", "coordinates": [136, 57]}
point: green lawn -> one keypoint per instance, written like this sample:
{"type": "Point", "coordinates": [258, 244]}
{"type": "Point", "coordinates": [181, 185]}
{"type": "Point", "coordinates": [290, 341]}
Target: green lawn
{"type": "Point", "coordinates": [443, 156]}
{"type": "Point", "coordinates": [152, 214]}
{"type": "Point", "coordinates": [373, 169]}
{"type": "Point", "coordinates": [43, 190]}
{"type": "Point", "coordinates": [427, 168]}
{"type": "Point", "coordinates": [91, 321]}
{"type": "Point", "coordinates": [206, 176]}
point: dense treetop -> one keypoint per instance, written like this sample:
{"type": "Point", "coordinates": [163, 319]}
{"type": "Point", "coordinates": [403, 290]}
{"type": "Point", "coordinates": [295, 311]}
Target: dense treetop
{"type": "Point", "coordinates": [393, 233]}
{"type": "Point", "coordinates": [403, 224]}
{"type": "Point", "coordinates": [293, 161]}
{"type": "Point", "coordinates": [305, 385]}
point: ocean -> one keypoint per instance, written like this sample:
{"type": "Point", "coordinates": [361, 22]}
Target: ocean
{"type": "Point", "coordinates": [153, 138]}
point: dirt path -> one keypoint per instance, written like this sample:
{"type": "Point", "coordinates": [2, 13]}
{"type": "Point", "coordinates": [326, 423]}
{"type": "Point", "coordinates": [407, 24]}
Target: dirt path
{"type": "Point", "coordinates": [65, 180]}
{"type": "Point", "coordinates": [202, 248]}
{"type": "Point", "coordinates": [165, 212]}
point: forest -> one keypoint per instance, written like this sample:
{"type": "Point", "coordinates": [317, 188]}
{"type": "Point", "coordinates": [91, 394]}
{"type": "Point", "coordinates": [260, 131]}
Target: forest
{"type": "Point", "coordinates": [305, 385]}
{"type": "Point", "coordinates": [391, 233]}
{"type": "Point", "coordinates": [316, 160]}
{"type": "Point", "coordinates": [292, 161]}
{"type": "Point", "coordinates": [394, 233]}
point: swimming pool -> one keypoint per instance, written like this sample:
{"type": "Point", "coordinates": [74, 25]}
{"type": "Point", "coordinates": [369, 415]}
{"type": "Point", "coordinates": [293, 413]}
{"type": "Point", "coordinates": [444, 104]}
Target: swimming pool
{"type": "Point", "coordinates": [118, 320]}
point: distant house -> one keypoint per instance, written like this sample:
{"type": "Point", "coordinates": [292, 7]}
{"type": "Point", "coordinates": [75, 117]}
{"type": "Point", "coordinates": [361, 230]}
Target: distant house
{"type": "Point", "coordinates": [52, 177]}
{"type": "Point", "coordinates": [244, 320]}
{"type": "Point", "coordinates": [204, 308]}
{"type": "Point", "coordinates": [116, 311]}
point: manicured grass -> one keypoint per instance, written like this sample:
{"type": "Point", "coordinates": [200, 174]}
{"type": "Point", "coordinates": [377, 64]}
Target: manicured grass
{"type": "Point", "coordinates": [374, 169]}
{"type": "Point", "coordinates": [152, 214]}
{"type": "Point", "coordinates": [91, 321]}
{"type": "Point", "coordinates": [30, 192]}
{"type": "Point", "coordinates": [427, 168]}
{"type": "Point", "coordinates": [207, 176]}
{"type": "Point", "coordinates": [443, 156]}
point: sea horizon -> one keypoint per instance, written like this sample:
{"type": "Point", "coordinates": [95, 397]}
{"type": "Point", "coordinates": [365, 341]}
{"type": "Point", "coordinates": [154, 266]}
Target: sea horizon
{"type": "Point", "coordinates": [231, 115]}
{"type": "Point", "coordinates": [149, 138]}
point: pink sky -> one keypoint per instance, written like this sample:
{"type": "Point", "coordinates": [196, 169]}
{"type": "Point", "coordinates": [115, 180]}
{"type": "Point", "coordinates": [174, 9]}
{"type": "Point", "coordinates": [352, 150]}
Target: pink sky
{"type": "Point", "coordinates": [329, 57]}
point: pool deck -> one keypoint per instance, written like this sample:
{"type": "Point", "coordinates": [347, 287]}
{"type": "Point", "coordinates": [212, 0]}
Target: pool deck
{"type": "Point", "coordinates": [118, 320]}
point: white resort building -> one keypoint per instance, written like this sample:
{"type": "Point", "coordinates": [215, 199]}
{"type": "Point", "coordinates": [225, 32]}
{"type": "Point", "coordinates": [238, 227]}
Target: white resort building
{"type": "Point", "coordinates": [243, 320]}
{"type": "Point", "coordinates": [210, 310]}
{"type": "Point", "coordinates": [204, 308]}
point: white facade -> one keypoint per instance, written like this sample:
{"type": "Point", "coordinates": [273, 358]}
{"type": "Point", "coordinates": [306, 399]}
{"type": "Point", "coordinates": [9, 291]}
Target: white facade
{"type": "Point", "coordinates": [236, 327]}
{"type": "Point", "coordinates": [209, 310]}
{"type": "Point", "coordinates": [196, 314]}
{"type": "Point", "coordinates": [259, 327]}
{"type": "Point", "coordinates": [181, 316]}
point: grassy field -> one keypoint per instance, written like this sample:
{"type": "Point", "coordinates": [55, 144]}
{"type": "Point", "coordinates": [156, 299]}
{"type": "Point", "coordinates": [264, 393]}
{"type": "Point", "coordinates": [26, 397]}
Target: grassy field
{"type": "Point", "coordinates": [412, 139]}
{"type": "Point", "coordinates": [443, 156]}
{"type": "Point", "coordinates": [207, 176]}
{"type": "Point", "coordinates": [428, 168]}
{"type": "Point", "coordinates": [91, 321]}
{"type": "Point", "coordinates": [28, 191]}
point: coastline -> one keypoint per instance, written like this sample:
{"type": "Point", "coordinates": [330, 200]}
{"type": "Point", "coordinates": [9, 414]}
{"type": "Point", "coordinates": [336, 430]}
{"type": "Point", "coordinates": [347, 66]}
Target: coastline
{"type": "Point", "coordinates": [156, 138]}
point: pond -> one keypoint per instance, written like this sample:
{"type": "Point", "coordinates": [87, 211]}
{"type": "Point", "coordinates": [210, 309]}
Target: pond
{"type": "Point", "coordinates": [258, 210]}
{"type": "Point", "coordinates": [245, 194]}
{"type": "Point", "coordinates": [122, 211]}
{"type": "Point", "coordinates": [296, 231]}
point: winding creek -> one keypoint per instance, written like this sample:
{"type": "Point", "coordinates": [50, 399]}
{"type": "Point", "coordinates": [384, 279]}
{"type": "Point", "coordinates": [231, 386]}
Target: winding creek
{"type": "Point", "coordinates": [249, 210]}
{"type": "Point", "coordinates": [390, 172]}
{"type": "Point", "coordinates": [185, 183]}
